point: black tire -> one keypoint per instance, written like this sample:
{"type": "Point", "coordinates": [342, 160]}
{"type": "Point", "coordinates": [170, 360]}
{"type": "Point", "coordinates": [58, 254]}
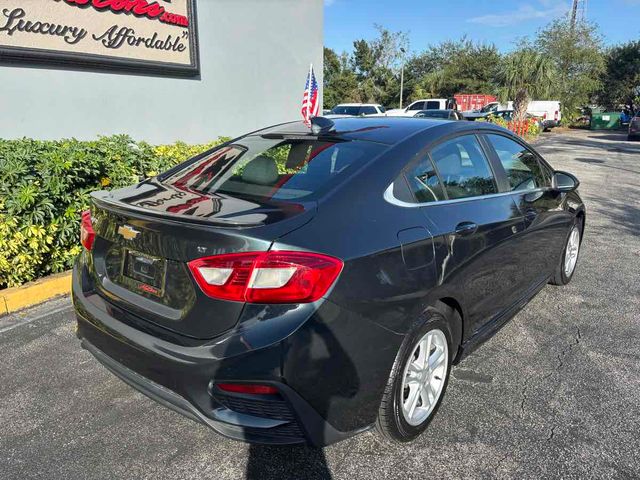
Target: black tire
{"type": "Point", "coordinates": [391, 423]}
{"type": "Point", "coordinates": [559, 276]}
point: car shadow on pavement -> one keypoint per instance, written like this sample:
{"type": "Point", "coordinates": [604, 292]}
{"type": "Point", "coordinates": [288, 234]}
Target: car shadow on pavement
{"type": "Point", "coordinates": [603, 164]}
{"type": "Point", "coordinates": [300, 462]}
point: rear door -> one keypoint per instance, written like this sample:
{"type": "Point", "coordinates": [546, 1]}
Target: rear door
{"type": "Point", "coordinates": [473, 224]}
{"type": "Point", "coordinates": [546, 222]}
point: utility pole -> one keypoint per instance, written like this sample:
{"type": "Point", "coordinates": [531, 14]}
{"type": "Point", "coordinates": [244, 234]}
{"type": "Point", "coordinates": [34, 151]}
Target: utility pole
{"type": "Point", "coordinates": [578, 6]}
{"type": "Point", "coordinates": [574, 13]}
{"type": "Point", "coordinates": [402, 76]}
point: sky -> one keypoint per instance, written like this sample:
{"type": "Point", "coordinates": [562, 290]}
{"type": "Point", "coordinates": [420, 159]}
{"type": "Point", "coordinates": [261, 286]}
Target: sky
{"type": "Point", "coordinates": [500, 22]}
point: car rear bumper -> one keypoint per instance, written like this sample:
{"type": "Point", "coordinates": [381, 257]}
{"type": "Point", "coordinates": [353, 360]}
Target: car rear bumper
{"type": "Point", "coordinates": [183, 377]}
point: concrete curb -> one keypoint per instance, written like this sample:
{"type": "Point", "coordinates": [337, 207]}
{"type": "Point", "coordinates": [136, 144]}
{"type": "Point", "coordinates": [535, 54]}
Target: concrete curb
{"type": "Point", "coordinates": [33, 293]}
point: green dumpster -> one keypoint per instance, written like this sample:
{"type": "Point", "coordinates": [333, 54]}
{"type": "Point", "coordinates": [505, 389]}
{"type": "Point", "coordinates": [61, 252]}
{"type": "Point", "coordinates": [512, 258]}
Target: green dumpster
{"type": "Point", "coordinates": [605, 121]}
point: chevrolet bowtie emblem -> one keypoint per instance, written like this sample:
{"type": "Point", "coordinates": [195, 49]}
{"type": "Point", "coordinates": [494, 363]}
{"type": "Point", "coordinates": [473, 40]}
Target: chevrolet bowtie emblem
{"type": "Point", "coordinates": [127, 232]}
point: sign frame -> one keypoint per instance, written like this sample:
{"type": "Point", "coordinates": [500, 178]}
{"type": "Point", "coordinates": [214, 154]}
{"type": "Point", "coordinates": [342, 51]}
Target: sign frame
{"type": "Point", "coordinates": [36, 57]}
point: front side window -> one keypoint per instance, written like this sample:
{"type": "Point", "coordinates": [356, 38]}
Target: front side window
{"type": "Point", "coordinates": [520, 164]}
{"type": "Point", "coordinates": [369, 111]}
{"type": "Point", "coordinates": [416, 106]}
{"type": "Point", "coordinates": [463, 168]}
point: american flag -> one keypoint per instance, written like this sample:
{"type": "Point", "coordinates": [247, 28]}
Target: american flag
{"type": "Point", "coordinates": [310, 103]}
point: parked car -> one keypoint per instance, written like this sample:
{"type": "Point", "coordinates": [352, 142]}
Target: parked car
{"type": "Point", "coordinates": [357, 110]}
{"type": "Point", "coordinates": [301, 285]}
{"type": "Point", "coordinates": [550, 111]}
{"type": "Point", "coordinates": [634, 128]}
{"type": "Point", "coordinates": [485, 111]}
{"type": "Point", "coordinates": [427, 104]}
{"type": "Point", "coordinates": [442, 114]}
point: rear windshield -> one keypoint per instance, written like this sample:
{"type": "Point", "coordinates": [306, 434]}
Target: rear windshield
{"type": "Point", "coordinates": [355, 111]}
{"type": "Point", "coordinates": [278, 169]}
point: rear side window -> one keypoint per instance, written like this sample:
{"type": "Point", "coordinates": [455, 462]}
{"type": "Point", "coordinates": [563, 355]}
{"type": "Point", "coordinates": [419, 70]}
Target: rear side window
{"type": "Point", "coordinates": [424, 182]}
{"type": "Point", "coordinates": [520, 164]}
{"type": "Point", "coordinates": [432, 105]}
{"type": "Point", "coordinates": [463, 168]}
{"type": "Point", "coordinates": [274, 168]}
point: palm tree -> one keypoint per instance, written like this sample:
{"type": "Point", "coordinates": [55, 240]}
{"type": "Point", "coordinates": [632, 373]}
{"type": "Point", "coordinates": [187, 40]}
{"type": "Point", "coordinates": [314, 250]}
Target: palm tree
{"type": "Point", "coordinates": [524, 74]}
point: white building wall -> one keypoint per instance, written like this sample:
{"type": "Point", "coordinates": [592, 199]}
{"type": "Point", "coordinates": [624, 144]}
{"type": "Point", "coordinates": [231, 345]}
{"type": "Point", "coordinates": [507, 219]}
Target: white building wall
{"type": "Point", "coordinates": [254, 57]}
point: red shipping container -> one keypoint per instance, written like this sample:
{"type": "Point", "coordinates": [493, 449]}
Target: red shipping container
{"type": "Point", "coordinates": [473, 101]}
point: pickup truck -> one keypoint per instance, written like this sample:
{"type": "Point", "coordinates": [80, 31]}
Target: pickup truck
{"type": "Point", "coordinates": [426, 104]}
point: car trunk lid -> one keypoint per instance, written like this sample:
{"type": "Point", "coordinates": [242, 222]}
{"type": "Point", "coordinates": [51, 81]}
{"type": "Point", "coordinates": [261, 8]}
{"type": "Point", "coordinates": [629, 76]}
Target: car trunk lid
{"type": "Point", "coordinates": [146, 235]}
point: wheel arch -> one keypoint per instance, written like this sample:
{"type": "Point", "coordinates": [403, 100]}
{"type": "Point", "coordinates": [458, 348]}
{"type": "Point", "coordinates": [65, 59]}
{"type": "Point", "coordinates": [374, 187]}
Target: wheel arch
{"type": "Point", "coordinates": [581, 216]}
{"type": "Point", "coordinates": [455, 315]}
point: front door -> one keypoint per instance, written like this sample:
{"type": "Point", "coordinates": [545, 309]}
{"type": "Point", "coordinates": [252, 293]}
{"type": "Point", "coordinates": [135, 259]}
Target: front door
{"type": "Point", "coordinates": [546, 222]}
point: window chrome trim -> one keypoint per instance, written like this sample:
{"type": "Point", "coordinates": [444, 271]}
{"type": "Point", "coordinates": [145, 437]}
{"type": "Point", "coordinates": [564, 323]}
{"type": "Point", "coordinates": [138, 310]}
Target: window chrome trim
{"type": "Point", "coordinates": [388, 196]}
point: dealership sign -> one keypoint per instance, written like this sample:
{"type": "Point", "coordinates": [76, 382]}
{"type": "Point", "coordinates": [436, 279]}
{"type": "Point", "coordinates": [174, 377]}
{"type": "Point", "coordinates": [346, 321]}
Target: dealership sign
{"type": "Point", "coordinates": [157, 37]}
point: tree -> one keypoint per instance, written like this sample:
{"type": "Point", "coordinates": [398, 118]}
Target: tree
{"type": "Point", "coordinates": [340, 82]}
{"type": "Point", "coordinates": [577, 54]}
{"type": "Point", "coordinates": [377, 64]}
{"type": "Point", "coordinates": [452, 67]}
{"type": "Point", "coordinates": [525, 74]}
{"type": "Point", "coordinates": [621, 84]}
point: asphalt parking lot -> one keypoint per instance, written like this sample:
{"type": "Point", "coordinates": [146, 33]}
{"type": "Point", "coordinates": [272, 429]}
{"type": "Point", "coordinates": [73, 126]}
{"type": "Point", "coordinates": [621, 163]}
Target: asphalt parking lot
{"type": "Point", "coordinates": [556, 393]}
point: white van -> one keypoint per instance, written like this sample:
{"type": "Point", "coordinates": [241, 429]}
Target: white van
{"type": "Point", "coordinates": [548, 110]}
{"type": "Point", "coordinates": [426, 104]}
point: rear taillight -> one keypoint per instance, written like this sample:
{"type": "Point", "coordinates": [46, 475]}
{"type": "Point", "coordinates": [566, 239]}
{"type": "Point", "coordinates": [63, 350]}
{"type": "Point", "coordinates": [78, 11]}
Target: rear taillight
{"type": "Point", "coordinates": [555, 115]}
{"type": "Point", "coordinates": [248, 388]}
{"type": "Point", "coordinates": [87, 234]}
{"type": "Point", "coordinates": [544, 117]}
{"type": "Point", "coordinates": [266, 277]}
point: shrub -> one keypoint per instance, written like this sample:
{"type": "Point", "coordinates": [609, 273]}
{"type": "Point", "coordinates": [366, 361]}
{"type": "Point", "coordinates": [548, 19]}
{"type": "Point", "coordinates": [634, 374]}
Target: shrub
{"type": "Point", "coordinates": [531, 129]}
{"type": "Point", "coordinates": [44, 185]}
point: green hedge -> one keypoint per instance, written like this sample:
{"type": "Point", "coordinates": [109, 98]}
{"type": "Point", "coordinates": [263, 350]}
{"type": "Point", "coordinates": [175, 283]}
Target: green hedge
{"type": "Point", "coordinates": [44, 185]}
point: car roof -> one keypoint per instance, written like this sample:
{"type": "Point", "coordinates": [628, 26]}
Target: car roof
{"type": "Point", "coordinates": [437, 110]}
{"type": "Point", "coordinates": [357, 105]}
{"type": "Point", "coordinates": [387, 130]}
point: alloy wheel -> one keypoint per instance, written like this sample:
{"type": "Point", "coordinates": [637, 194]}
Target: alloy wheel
{"type": "Point", "coordinates": [424, 377]}
{"type": "Point", "coordinates": [571, 254]}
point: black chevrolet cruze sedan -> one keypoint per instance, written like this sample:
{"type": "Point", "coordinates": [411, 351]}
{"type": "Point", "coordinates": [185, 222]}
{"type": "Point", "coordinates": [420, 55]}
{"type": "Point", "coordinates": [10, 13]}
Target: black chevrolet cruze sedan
{"type": "Point", "coordinates": [305, 284]}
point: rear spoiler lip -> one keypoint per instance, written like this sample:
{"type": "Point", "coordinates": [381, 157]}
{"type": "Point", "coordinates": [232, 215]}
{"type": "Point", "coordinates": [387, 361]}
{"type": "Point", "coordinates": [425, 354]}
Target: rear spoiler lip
{"type": "Point", "coordinates": [99, 198]}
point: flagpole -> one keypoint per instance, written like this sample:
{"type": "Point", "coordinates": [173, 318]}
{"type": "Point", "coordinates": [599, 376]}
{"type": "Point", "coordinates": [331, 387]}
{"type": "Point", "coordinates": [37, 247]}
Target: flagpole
{"type": "Point", "coordinates": [309, 95]}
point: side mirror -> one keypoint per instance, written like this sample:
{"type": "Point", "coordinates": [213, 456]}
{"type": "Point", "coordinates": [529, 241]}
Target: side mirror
{"type": "Point", "coordinates": [564, 182]}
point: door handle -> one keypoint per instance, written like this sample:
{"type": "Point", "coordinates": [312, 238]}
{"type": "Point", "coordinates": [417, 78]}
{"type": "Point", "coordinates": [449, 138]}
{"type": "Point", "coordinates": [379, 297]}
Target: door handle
{"type": "Point", "coordinates": [466, 228]}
